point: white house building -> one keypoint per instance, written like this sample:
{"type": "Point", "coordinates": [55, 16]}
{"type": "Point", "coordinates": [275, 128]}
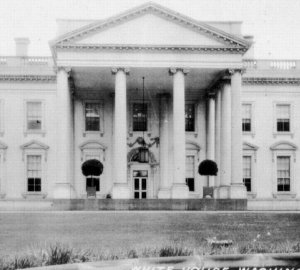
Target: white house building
{"type": "Point", "coordinates": [150, 93]}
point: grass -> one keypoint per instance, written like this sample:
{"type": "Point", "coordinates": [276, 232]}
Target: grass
{"type": "Point", "coordinates": [26, 239]}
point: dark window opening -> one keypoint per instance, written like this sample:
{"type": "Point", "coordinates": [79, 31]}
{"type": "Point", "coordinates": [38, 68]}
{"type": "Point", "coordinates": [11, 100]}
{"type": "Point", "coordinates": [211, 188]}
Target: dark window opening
{"type": "Point", "coordinates": [139, 117]}
{"type": "Point", "coordinates": [190, 183]}
{"type": "Point", "coordinates": [189, 117]}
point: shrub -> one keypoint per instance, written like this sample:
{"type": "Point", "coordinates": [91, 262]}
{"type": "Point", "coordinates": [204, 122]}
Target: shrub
{"type": "Point", "coordinates": [208, 167]}
{"type": "Point", "coordinates": [58, 254]}
{"type": "Point", "coordinates": [172, 251]}
{"type": "Point", "coordinates": [92, 167]}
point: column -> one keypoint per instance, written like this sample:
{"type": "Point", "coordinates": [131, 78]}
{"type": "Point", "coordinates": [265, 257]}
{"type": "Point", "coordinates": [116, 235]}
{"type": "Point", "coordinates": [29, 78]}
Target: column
{"type": "Point", "coordinates": [120, 188]}
{"type": "Point", "coordinates": [64, 160]}
{"type": "Point", "coordinates": [237, 189]}
{"type": "Point", "coordinates": [179, 188]}
{"type": "Point", "coordinates": [218, 135]}
{"type": "Point", "coordinates": [225, 148]}
{"type": "Point", "coordinates": [164, 187]}
{"type": "Point", "coordinates": [210, 149]}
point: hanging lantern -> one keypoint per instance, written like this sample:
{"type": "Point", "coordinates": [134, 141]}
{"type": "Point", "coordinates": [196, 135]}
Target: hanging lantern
{"type": "Point", "coordinates": [143, 154]}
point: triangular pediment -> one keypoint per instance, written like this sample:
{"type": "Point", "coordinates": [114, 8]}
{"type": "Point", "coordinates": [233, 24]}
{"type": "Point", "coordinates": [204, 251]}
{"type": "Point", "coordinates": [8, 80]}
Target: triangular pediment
{"type": "Point", "coordinates": [284, 145]}
{"type": "Point", "coordinates": [249, 146]}
{"type": "Point", "coordinates": [35, 145]}
{"type": "Point", "coordinates": [149, 25]}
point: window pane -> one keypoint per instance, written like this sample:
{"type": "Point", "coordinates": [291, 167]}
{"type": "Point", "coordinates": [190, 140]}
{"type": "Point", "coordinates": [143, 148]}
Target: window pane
{"type": "Point", "coordinates": [189, 117]}
{"type": "Point", "coordinates": [34, 171]}
{"type": "Point", "coordinates": [136, 195]}
{"type": "Point", "coordinates": [136, 183]}
{"type": "Point", "coordinates": [283, 173]}
{"type": "Point", "coordinates": [190, 166]}
{"type": "Point", "coordinates": [247, 172]}
{"type": "Point", "coordinates": [139, 117]}
{"type": "Point", "coordinates": [246, 125]}
{"type": "Point", "coordinates": [283, 118]}
{"type": "Point", "coordinates": [144, 195]}
{"type": "Point", "coordinates": [92, 116]}
{"type": "Point", "coordinates": [144, 184]}
{"type": "Point", "coordinates": [34, 115]}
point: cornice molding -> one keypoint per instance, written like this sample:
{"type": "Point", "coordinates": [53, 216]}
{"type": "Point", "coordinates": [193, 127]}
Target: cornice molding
{"type": "Point", "coordinates": [272, 81]}
{"type": "Point", "coordinates": [133, 47]}
{"type": "Point", "coordinates": [28, 78]}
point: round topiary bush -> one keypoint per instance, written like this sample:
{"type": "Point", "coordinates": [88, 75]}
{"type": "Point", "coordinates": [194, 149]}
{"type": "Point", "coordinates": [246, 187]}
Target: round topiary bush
{"type": "Point", "coordinates": [208, 167]}
{"type": "Point", "coordinates": [92, 167]}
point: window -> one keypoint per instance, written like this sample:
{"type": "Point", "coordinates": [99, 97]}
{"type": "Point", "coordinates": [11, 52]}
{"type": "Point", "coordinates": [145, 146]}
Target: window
{"type": "Point", "coordinates": [283, 173]}
{"type": "Point", "coordinates": [92, 116]}
{"type": "Point", "coordinates": [34, 115]}
{"type": "Point", "coordinates": [189, 117]}
{"type": "Point", "coordinates": [139, 117]}
{"type": "Point", "coordinates": [283, 117]}
{"type": "Point", "coordinates": [246, 120]}
{"type": "Point", "coordinates": [247, 172]}
{"type": "Point", "coordinates": [190, 172]}
{"type": "Point", "coordinates": [34, 172]}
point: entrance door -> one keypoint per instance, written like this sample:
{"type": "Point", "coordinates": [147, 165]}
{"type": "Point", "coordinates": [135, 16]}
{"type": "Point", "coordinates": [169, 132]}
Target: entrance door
{"type": "Point", "coordinates": [140, 179]}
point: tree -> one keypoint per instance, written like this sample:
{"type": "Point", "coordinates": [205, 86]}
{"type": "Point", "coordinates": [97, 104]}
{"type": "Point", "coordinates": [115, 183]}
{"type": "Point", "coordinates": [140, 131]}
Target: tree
{"type": "Point", "coordinates": [92, 167]}
{"type": "Point", "coordinates": [208, 167]}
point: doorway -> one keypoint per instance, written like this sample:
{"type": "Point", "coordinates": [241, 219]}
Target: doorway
{"type": "Point", "coordinates": [140, 183]}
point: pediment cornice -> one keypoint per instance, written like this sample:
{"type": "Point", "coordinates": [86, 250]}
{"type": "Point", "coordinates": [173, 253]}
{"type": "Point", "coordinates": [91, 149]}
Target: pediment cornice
{"type": "Point", "coordinates": [228, 40]}
{"type": "Point", "coordinates": [132, 47]}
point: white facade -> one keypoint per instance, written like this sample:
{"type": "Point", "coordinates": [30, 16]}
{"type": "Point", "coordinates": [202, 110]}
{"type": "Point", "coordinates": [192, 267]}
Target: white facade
{"type": "Point", "coordinates": [85, 103]}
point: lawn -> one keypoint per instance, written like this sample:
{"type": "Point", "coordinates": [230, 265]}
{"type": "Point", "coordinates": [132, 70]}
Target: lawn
{"type": "Point", "coordinates": [113, 231]}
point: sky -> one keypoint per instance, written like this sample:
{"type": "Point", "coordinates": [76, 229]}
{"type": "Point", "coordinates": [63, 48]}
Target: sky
{"type": "Point", "coordinates": [275, 24]}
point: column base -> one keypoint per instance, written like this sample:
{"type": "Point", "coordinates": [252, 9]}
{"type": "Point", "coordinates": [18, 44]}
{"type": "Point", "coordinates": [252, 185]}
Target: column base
{"type": "Point", "coordinates": [120, 191]}
{"type": "Point", "coordinates": [221, 192]}
{"type": "Point", "coordinates": [179, 191]}
{"type": "Point", "coordinates": [63, 191]}
{"type": "Point", "coordinates": [237, 191]}
{"type": "Point", "coordinates": [164, 193]}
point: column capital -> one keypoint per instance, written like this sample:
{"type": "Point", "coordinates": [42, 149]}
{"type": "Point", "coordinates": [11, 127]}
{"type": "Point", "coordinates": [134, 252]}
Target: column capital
{"type": "Point", "coordinates": [236, 70]}
{"type": "Point", "coordinates": [211, 94]}
{"type": "Point", "coordinates": [114, 70]}
{"type": "Point", "coordinates": [68, 70]}
{"type": "Point", "coordinates": [174, 70]}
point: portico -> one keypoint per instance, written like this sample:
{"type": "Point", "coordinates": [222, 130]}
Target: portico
{"type": "Point", "coordinates": [95, 65]}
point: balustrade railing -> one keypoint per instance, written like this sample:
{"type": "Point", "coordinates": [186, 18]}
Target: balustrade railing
{"type": "Point", "coordinates": [271, 64]}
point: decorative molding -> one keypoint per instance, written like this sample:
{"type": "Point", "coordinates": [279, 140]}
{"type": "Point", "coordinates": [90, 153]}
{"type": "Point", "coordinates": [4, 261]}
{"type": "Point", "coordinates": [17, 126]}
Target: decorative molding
{"type": "Point", "coordinates": [174, 70]}
{"type": "Point", "coordinates": [151, 8]}
{"type": "Point", "coordinates": [92, 145]}
{"type": "Point", "coordinates": [34, 145]}
{"type": "Point", "coordinates": [28, 78]}
{"type": "Point", "coordinates": [211, 94]}
{"type": "Point", "coordinates": [68, 70]}
{"type": "Point", "coordinates": [134, 151]}
{"type": "Point", "coordinates": [132, 47]}
{"type": "Point", "coordinates": [236, 70]}
{"type": "Point", "coordinates": [273, 81]}
{"type": "Point", "coordinates": [283, 146]}
{"type": "Point", "coordinates": [250, 148]}
{"type": "Point", "coordinates": [115, 70]}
